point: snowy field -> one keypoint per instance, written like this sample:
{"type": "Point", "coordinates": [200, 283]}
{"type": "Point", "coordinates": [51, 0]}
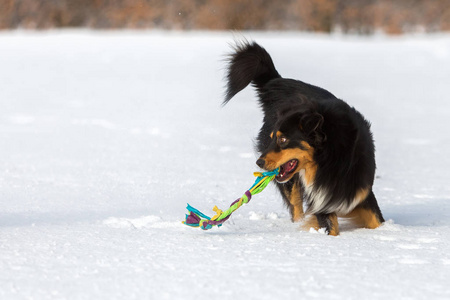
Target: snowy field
{"type": "Point", "coordinates": [105, 136]}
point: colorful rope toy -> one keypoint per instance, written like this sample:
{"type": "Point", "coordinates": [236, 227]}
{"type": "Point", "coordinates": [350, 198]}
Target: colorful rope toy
{"type": "Point", "coordinates": [195, 218]}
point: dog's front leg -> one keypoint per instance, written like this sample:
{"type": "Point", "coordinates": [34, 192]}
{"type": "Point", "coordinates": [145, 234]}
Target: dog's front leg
{"type": "Point", "coordinates": [292, 195]}
{"type": "Point", "coordinates": [327, 221]}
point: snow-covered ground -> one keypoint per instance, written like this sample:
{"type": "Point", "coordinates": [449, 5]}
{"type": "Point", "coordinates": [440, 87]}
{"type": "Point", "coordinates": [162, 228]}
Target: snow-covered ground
{"type": "Point", "coordinates": [105, 136]}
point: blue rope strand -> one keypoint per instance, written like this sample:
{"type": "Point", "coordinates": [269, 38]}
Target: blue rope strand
{"type": "Point", "coordinates": [264, 174]}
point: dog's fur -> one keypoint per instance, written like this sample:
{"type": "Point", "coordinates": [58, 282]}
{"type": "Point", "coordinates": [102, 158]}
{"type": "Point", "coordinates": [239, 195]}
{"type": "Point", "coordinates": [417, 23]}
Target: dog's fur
{"type": "Point", "coordinates": [324, 147]}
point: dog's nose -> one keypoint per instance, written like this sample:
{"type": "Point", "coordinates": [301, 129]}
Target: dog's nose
{"type": "Point", "coordinates": [261, 162]}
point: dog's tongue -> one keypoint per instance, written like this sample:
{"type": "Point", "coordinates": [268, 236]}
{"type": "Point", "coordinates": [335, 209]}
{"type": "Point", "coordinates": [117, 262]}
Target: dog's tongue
{"type": "Point", "coordinates": [287, 167]}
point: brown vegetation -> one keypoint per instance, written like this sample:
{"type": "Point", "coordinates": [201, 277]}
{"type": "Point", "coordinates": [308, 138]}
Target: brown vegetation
{"type": "Point", "coordinates": [357, 16]}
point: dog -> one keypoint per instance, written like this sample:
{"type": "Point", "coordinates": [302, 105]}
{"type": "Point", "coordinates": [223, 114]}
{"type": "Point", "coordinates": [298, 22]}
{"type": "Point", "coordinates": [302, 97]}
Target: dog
{"type": "Point", "coordinates": [323, 147]}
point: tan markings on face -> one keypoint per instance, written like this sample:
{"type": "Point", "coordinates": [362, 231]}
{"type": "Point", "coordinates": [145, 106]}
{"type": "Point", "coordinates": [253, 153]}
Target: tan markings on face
{"type": "Point", "coordinates": [295, 199]}
{"type": "Point", "coordinates": [304, 157]}
{"type": "Point", "coordinates": [278, 134]}
{"type": "Point", "coordinates": [361, 217]}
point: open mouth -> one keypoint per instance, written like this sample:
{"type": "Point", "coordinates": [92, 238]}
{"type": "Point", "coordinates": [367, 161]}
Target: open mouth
{"type": "Point", "coordinates": [286, 170]}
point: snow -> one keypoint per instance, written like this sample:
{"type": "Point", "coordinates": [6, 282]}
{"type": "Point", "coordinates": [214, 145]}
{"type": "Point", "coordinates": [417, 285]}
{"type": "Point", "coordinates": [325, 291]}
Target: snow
{"type": "Point", "coordinates": [107, 135]}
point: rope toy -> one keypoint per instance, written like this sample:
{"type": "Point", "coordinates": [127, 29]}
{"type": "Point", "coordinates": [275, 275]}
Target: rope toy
{"type": "Point", "coordinates": [195, 218]}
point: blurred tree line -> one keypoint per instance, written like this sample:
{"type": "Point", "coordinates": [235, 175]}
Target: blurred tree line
{"type": "Point", "coordinates": [349, 16]}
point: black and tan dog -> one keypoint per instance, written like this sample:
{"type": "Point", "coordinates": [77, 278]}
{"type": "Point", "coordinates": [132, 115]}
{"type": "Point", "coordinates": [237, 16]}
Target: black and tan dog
{"type": "Point", "coordinates": [323, 147]}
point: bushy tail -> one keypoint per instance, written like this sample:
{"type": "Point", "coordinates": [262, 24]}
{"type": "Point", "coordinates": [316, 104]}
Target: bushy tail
{"type": "Point", "coordinates": [249, 63]}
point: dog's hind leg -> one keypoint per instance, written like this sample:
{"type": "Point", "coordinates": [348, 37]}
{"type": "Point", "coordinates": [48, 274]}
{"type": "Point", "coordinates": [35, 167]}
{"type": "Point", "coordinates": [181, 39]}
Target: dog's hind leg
{"type": "Point", "coordinates": [367, 214]}
{"type": "Point", "coordinates": [327, 221]}
{"type": "Point", "coordinates": [292, 195]}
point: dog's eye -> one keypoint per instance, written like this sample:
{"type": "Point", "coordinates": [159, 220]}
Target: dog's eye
{"type": "Point", "coordinates": [282, 141]}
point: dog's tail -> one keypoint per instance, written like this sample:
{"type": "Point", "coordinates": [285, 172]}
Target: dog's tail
{"type": "Point", "coordinates": [249, 63]}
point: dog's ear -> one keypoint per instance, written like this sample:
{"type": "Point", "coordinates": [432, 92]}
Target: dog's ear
{"type": "Point", "coordinates": [311, 124]}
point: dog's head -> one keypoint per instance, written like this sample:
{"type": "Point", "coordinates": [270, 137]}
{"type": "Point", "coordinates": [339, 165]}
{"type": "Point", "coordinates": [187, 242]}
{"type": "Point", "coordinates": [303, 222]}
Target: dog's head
{"type": "Point", "coordinates": [296, 137]}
